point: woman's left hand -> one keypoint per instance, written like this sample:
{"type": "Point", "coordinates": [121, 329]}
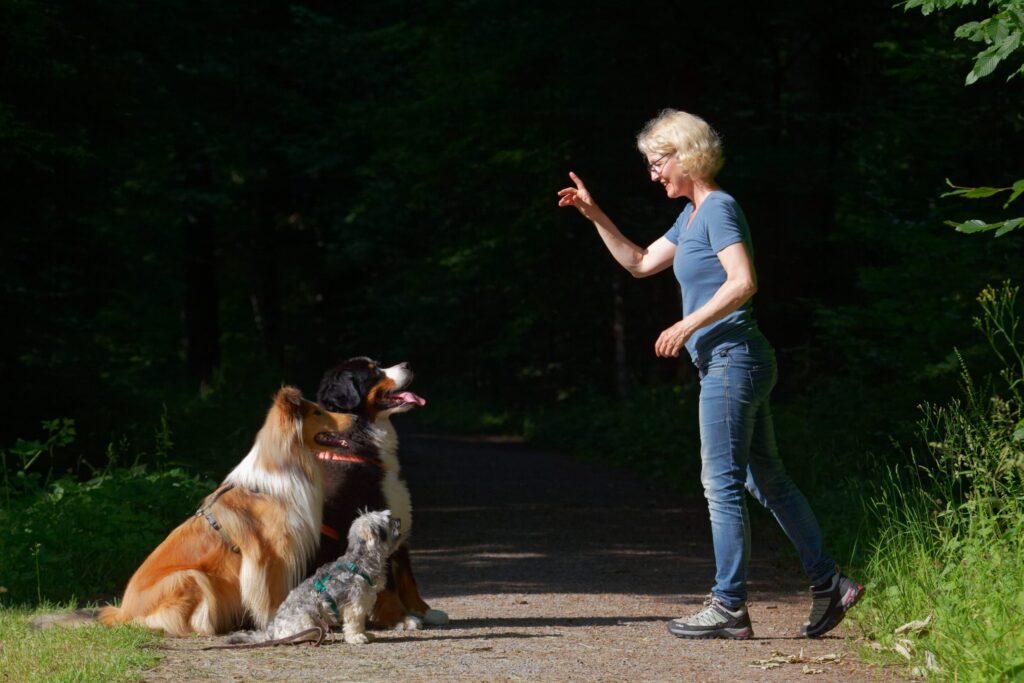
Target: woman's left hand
{"type": "Point", "coordinates": [671, 340]}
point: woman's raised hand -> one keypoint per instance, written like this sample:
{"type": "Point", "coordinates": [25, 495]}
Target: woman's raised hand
{"type": "Point", "coordinates": [578, 197]}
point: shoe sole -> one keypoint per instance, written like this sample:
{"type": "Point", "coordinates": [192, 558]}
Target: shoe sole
{"type": "Point", "coordinates": [847, 603]}
{"type": "Point", "coordinates": [744, 633]}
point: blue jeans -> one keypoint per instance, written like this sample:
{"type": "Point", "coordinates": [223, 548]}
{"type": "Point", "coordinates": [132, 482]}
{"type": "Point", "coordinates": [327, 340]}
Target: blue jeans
{"type": "Point", "coordinates": [738, 451]}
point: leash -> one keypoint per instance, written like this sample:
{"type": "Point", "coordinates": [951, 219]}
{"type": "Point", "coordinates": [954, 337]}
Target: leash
{"type": "Point", "coordinates": [294, 639]}
{"type": "Point", "coordinates": [205, 512]}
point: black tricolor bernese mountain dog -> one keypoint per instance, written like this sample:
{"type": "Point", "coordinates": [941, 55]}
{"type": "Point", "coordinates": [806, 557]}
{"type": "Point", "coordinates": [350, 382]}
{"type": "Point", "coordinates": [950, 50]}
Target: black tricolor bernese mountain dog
{"type": "Point", "coordinates": [363, 473]}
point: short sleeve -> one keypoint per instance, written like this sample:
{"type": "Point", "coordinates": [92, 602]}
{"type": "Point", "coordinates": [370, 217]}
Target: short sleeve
{"type": "Point", "coordinates": [673, 233]}
{"type": "Point", "coordinates": [724, 226]}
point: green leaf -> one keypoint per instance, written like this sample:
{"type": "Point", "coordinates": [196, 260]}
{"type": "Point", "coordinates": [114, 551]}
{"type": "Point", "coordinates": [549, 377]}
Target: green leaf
{"type": "Point", "coordinates": [1018, 434]}
{"type": "Point", "coordinates": [997, 33]}
{"type": "Point", "coordinates": [1009, 226]}
{"type": "Point", "coordinates": [985, 64]}
{"type": "Point", "coordinates": [972, 30]}
{"type": "Point", "coordinates": [1001, 227]}
{"type": "Point", "coordinates": [1009, 44]}
{"type": "Point", "coordinates": [973, 226]}
{"type": "Point", "coordinates": [1018, 190]}
{"type": "Point", "coordinates": [975, 192]}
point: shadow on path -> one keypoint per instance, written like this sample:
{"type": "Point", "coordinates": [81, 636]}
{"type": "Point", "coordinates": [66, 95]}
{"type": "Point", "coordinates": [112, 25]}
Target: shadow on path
{"type": "Point", "coordinates": [504, 518]}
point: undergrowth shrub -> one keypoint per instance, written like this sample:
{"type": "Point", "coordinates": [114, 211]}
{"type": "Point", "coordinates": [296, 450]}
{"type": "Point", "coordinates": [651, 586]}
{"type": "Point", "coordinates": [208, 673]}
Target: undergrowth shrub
{"type": "Point", "coordinates": [950, 541]}
{"type": "Point", "coordinates": [66, 537]}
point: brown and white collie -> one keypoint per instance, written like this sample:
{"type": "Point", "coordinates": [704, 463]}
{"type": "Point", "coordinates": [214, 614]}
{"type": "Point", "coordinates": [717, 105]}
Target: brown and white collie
{"type": "Point", "coordinates": [250, 542]}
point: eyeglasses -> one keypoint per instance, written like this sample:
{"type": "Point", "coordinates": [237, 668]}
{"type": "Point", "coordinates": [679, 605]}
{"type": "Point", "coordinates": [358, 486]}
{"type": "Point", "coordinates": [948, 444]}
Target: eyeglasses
{"type": "Point", "coordinates": [658, 164]}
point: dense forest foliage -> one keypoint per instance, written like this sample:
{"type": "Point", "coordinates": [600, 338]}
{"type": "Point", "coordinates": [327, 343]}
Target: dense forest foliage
{"type": "Point", "coordinates": [205, 201]}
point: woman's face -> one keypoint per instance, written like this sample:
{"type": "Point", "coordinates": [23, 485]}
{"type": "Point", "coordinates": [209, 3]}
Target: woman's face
{"type": "Point", "coordinates": [665, 169]}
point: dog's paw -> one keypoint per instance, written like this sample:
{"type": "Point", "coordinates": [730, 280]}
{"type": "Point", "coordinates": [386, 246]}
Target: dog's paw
{"type": "Point", "coordinates": [358, 638]}
{"type": "Point", "coordinates": [435, 617]}
{"type": "Point", "coordinates": [409, 623]}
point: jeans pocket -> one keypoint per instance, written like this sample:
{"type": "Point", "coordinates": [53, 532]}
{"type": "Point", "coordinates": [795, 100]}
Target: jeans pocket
{"type": "Point", "coordinates": [717, 366]}
{"type": "Point", "coordinates": [763, 377]}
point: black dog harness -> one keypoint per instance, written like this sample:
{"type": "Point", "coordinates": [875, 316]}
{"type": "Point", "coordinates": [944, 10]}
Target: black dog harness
{"type": "Point", "coordinates": [205, 512]}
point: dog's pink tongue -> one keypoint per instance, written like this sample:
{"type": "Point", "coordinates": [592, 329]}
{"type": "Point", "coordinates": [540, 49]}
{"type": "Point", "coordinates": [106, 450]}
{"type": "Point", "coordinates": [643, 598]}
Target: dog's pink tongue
{"type": "Point", "coordinates": [409, 397]}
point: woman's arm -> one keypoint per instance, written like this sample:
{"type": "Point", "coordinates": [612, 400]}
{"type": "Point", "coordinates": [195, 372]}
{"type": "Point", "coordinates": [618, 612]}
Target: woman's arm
{"type": "Point", "coordinates": [740, 284]}
{"type": "Point", "coordinates": [639, 262]}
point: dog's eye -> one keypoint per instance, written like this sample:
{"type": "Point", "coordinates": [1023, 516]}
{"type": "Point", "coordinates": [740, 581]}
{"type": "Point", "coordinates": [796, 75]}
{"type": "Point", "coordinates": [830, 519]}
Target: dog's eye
{"type": "Point", "coordinates": [317, 412]}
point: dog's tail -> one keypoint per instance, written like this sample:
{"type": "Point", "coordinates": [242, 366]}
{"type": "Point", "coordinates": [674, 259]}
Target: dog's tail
{"type": "Point", "coordinates": [246, 637]}
{"type": "Point", "coordinates": [80, 617]}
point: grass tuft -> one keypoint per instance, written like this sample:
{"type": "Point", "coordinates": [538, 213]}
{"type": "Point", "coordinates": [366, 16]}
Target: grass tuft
{"type": "Point", "coordinates": [90, 653]}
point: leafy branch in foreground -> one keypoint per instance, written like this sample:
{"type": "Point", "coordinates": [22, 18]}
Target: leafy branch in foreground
{"type": "Point", "coordinates": [976, 225]}
{"type": "Point", "coordinates": [1001, 32]}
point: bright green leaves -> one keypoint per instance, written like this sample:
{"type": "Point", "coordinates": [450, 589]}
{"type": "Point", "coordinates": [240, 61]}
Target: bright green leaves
{"type": "Point", "coordinates": [1000, 227]}
{"type": "Point", "coordinates": [975, 225]}
{"type": "Point", "coordinates": [1001, 33]}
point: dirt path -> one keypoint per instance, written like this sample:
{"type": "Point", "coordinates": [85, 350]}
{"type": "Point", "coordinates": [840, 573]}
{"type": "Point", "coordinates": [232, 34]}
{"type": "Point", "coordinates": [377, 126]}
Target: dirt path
{"type": "Point", "coordinates": [551, 570]}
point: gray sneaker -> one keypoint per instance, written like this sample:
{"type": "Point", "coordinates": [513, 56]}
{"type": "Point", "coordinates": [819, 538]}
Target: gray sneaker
{"type": "Point", "coordinates": [714, 621]}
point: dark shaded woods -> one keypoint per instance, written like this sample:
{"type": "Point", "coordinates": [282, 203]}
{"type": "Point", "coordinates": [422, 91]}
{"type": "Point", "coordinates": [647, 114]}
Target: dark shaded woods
{"type": "Point", "coordinates": [206, 200]}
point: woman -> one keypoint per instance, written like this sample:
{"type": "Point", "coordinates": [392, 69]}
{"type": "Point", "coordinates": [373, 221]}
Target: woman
{"type": "Point", "coordinates": [710, 251]}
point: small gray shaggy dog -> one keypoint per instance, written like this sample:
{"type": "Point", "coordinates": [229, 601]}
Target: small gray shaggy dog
{"type": "Point", "coordinates": [339, 593]}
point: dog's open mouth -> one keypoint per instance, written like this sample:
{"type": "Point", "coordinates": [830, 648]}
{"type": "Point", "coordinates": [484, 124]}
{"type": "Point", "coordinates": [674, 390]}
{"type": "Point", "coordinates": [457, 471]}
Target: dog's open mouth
{"type": "Point", "coordinates": [396, 399]}
{"type": "Point", "coordinates": [331, 439]}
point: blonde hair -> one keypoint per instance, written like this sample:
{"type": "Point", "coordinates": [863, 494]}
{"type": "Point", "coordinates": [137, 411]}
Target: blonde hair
{"type": "Point", "coordinates": [696, 145]}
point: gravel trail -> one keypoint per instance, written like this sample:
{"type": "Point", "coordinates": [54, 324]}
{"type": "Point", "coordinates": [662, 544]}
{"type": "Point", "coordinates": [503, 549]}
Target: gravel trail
{"type": "Point", "coordinates": [552, 569]}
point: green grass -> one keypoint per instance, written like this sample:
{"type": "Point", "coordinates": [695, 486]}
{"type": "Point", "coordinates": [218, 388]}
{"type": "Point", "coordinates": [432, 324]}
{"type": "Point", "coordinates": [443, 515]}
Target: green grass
{"type": "Point", "coordinates": [91, 653]}
{"type": "Point", "coordinates": [950, 539]}
{"type": "Point", "coordinates": [964, 568]}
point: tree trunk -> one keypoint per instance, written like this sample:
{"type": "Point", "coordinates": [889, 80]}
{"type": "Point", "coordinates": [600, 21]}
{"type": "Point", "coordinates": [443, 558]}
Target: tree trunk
{"type": "Point", "coordinates": [619, 337]}
{"type": "Point", "coordinates": [272, 201]}
{"type": "Point", "coordinates": [202, 321]}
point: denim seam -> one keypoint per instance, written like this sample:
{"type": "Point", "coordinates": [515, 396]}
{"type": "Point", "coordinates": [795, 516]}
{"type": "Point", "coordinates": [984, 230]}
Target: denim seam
{"type": "Point", "coordinates": [728, 425]}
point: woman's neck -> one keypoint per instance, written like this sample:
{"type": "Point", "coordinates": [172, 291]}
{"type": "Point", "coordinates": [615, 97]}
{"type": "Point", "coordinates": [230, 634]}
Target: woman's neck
{"type": "Point", "coordinates": [701, 190]}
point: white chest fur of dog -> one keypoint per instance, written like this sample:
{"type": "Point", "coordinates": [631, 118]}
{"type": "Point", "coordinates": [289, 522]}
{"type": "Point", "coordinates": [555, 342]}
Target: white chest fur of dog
{"type": "Point", "coordinates": [395, 491]}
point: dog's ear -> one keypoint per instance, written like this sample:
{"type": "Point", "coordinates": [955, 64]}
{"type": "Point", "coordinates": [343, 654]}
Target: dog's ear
{"type": "Point", "coordinates": [289, 400]}
{"type": "Point", "coordinates": [338, 393]}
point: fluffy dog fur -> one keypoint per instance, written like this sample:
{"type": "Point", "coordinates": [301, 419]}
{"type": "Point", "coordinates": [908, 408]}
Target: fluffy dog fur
{"type": "Point", "coordinates": [195, 581]}
{"type": "Point", "coordinates": [340, 593]}
{"type": "Point", "coordinates": [371, 478]}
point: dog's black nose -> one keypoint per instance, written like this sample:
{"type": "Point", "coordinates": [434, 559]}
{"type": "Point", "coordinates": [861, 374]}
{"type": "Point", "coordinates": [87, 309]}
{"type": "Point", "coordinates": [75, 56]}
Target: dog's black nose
{"type": "Point", "coordinates": [404, 366]}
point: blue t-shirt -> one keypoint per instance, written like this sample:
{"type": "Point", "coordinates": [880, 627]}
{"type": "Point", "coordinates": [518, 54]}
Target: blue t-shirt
{"type": "Point", "coordinates": [718, 224]}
